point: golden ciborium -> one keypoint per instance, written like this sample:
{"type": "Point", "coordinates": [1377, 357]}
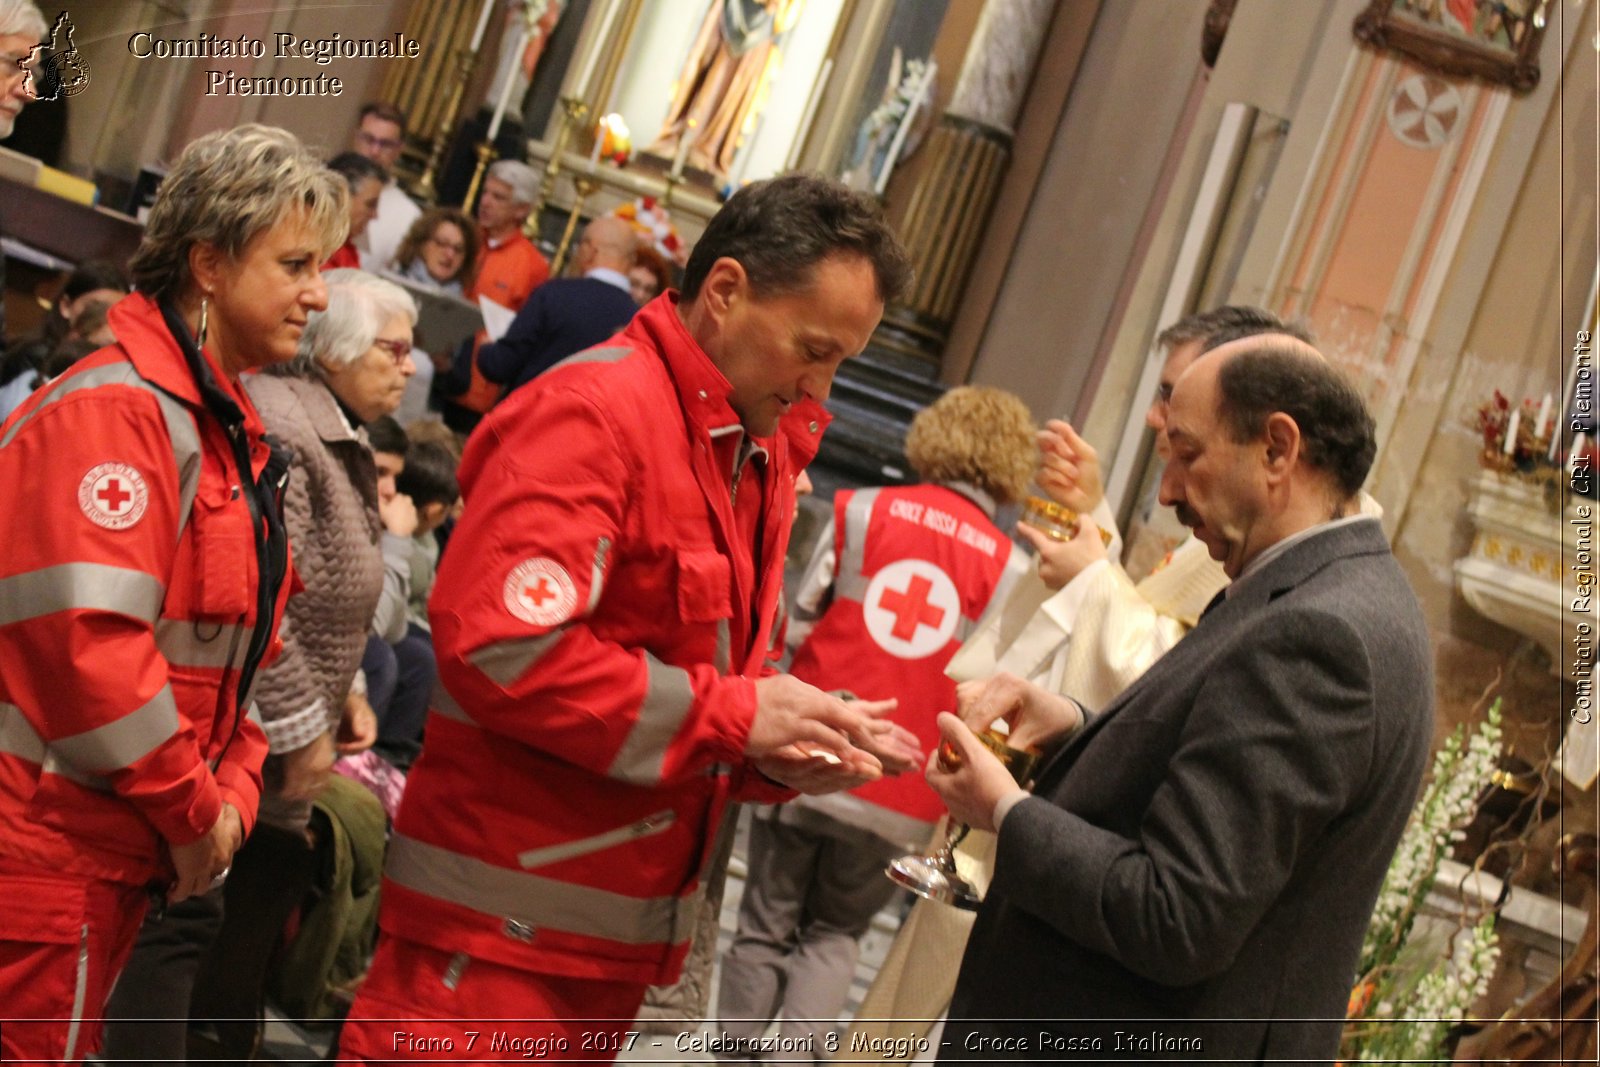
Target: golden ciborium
{"type": "Point", "coordinates": [934, 874]}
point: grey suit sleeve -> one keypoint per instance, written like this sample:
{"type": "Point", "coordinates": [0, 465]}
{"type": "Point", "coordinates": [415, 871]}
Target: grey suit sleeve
{"type": "Point", "coordinates": [1278, 741]}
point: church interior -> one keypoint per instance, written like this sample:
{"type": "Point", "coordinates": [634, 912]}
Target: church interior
{"type": "Point", "coordinates": [1412, 180]}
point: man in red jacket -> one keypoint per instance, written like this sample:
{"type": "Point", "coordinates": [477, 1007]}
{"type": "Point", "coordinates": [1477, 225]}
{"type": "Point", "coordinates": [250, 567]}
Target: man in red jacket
{"type": "Point", "coordinates": [601, 623]}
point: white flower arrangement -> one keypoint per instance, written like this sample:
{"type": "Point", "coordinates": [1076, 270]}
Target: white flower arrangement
{"type": "Point", "coordinates": [1408, 995]}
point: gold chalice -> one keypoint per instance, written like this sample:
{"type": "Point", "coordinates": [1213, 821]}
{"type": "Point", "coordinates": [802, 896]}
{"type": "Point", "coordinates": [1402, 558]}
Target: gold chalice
{"type": "Point", "coordinates": [1056, 521]}
{"type": "Point", "coordinates": [934, 874]}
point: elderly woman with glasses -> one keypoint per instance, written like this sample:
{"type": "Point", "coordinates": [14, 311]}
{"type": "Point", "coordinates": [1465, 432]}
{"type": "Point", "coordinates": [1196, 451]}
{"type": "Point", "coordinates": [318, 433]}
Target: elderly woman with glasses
{"type": "Point", "coordinates": [440, 251]}
{"type": "Point", "coordinates": [142, 584]}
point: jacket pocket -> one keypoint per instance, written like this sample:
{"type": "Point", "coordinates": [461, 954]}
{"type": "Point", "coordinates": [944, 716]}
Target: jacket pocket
{"type": "Point", "coordinates": [223, 548]}
{"type": "Point", "coordinates": [705, 587]}
{"type": "Point", "coordinates": [648, 826]}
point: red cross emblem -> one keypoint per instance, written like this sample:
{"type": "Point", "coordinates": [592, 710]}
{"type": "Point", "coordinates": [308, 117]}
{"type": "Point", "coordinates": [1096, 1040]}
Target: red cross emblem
{"type": "Point", "coordinates": [911, 608]}
{"type": "Point", "coordinates": [113, 496]}
{"type": "Point", "coordinates": [539, 591]}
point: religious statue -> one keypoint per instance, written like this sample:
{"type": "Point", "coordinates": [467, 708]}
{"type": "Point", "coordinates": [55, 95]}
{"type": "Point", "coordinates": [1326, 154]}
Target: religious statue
{"type": "Point", "coordinates": [724, 80]}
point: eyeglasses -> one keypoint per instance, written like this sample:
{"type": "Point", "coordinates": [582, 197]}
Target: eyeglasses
{"type": "Point", "coordinates": [448, 246]}
{"type": "Point", "coordinates": [399, 351]}
{"type": "Point", "coordinates": [386, 144]}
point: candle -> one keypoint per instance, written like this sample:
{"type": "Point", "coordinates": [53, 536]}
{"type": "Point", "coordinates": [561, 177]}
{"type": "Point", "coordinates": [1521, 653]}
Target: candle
{"type": "Point", "coordinates": [599, 141]}
{"type": "Point", "coordinates": [1542, 427]}
{"type": "Point", "coordinates": [505, 90]}
{"type": "Point", "coordinates": [483, 25]}
{"type": "Point", "coordinates": [580, 84]}
{"type": "Point", "coordinates": [1511, 431]}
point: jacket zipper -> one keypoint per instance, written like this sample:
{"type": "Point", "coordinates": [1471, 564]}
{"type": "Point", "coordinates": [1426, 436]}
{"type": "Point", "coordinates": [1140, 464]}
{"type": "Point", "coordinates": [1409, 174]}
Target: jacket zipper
{"type": "Point", "coordinates": [648, 826]}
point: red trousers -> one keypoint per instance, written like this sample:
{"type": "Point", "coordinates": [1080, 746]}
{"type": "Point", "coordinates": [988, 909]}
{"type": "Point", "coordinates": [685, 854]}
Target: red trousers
{"type": "Point", "coordinates": [422, 1003]}
{"type": "Point", "coordinates": [63, 941]}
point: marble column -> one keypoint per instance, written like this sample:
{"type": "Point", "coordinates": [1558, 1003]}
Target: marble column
{"type": "Point", "coordinates": [968, 153]}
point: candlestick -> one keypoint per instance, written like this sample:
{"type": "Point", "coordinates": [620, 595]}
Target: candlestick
{"type": "Point", "coordinates": [483, 25]}
{"type": "Point", "coordinates": [1511, 431]}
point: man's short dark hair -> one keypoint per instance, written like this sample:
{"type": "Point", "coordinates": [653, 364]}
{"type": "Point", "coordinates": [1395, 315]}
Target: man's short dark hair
{"type": "Point", "coordinates": [355, 168]}
{"type": "Point", "coordinates": [429, 476]}
{"type": "Point", "coordinates": [1227, 323]}
{"type": "Point", "coordinates": [1337, 434]}
{"type": "Point", "coordinates": [385, 435]}
{"type": "Point", "coordinates": [780, 229]}
{"type": "Point", "coordinates": [386, 112]}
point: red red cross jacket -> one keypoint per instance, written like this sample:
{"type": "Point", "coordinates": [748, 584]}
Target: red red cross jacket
{"type": "Point", "coordinates": [127, 607]}
{"type": "Point", "coordinates": [916, 567]}
{"type": "Point", "coordinates": [598, 622]}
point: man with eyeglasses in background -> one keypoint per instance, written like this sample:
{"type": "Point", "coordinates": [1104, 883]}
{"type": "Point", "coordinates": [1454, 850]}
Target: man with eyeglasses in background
{"type": "Point", "coordinates": [380, 135]}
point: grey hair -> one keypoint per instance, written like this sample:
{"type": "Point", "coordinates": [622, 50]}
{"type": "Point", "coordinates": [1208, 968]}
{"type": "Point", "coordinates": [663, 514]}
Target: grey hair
{"type": "Point", "coordinates": [523, 179]}
{"type": "Point", "coordinates": [227, 187]}
{"type": "Point", "coordinates": [21, 18]}
{"type": "Point", "coordinates": [359, 304]}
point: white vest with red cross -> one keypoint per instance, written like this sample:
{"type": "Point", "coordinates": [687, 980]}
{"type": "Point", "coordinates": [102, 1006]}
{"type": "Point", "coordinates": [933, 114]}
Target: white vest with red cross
{"type": "Point", "coordinates": [917, 566]}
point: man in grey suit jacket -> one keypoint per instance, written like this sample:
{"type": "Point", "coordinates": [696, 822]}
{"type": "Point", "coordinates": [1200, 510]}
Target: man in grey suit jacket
{"type": "Point", "coordinates": [1195, 870]}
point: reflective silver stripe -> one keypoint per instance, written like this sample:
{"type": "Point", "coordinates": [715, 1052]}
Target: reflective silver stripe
{"type": "Point", "coordinates": [185, 440]}
{"type": "Point", "coordinates": [612, 354]}
{"type": "Point", "coordinates": [18, 738]}
{"type": "Point", "coordinates": [646, 827]}
{"type": "Point", "coordinates": [444, 704]}
{"type": "Point", "coordinates": [110, 374]}
{"type": "Point", "coordinates": [200, 645]}
{"type": "Point", "coordinates": [851, 586]}
{"type": "Point", "coordinates": [80, 993]}
{"type": "Point", "coordinates": [125, 741]}
{"type": "Point", "coordinates": [80, 586]}
{"type": "Point", "coordinates": [597, 577]}
{"type": "Point", "coordinates": [856, 516]}
{"type": "Point", "coordinates": [535, 900]}
{"type": "Point", "coordinates": [54, 764]}
{"type": "Point", "coordinates": [504, 661]}
{"type": "Point", "coordinates": [668, 697]}
{"type": "Point", "coordinates": [724, 656]}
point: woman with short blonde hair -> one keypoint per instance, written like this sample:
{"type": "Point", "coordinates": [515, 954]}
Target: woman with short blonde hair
{"type": "Point", "coordinates": [145, 581]}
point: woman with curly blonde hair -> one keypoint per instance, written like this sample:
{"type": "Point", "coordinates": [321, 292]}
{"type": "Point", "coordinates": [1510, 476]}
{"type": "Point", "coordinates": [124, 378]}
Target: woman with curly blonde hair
{"type": "Point", "coordinates": [896, 583]}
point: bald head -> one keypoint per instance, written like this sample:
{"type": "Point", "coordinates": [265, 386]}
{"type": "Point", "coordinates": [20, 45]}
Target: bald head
{"type": "Point", "coordinates": [1280, 374]}
{"type": "Point", "coordinates": [607, 242]}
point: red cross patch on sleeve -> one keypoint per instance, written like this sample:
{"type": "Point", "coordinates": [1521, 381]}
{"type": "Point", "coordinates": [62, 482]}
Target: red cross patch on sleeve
{"type": "Point", "coordinates": [539, 591]}
{"type": "Point", "coordinates": [113, 495]}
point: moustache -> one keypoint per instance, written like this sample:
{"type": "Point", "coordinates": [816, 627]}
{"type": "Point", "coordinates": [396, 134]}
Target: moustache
{"type": "Point", "coordinates": [1186, 515]}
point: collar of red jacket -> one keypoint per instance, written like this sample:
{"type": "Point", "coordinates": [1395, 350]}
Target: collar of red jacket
{"type": "Point", "coordinates": [142, 333]}
{"type": "Point", "coordinates": [703, 389]}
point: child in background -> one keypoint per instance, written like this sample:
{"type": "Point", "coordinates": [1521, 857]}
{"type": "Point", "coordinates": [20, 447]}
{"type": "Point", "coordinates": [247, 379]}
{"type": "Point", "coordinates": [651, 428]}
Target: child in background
{"type": "Point", "coordinates": [429, 479]}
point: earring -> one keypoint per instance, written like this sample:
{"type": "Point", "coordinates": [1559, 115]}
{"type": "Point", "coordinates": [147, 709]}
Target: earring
{"type": "Point", "coordinates": [200, 335]}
